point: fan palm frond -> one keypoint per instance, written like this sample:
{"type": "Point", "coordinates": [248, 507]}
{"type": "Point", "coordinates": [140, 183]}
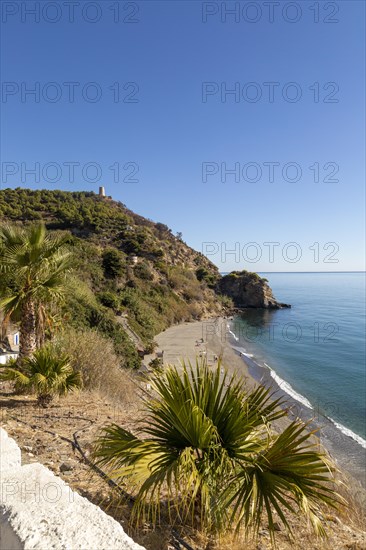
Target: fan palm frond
{"type": "Point", "coordinates": [47, 372]}
{"type": "Point", "coordinates": [207, 448]}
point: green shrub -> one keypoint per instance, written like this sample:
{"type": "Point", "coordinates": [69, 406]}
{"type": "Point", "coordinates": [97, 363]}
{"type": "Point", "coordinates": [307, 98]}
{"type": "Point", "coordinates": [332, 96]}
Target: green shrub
{"type": "Point", "coordinates": [113, 263]}
{"type": "Point", "coordinates": [226, 301]}
{"type": "Point", "coordinates": [143, 271]}
{"type": "Point", "coordinates": [100, 234]}
{"type": "Point", "coordinates": [158, 253]}
{"type": "Point", "coordinates": [82, 311]}
{"type": "Point", "coordinates": [203, 274]}
{"type": "Point", "coordinates": [150, 347]}
{"type": "Point", "coordinates": [155, 363]}
{"type": "Point", "coordinates": [109, 299]}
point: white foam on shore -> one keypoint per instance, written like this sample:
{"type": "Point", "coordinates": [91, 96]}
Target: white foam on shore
{"type": "Point", "coordinates": [232, 333]}
{"type": "Point", "coordinates": [349, 433]}
{"type": "Point", "coordinates": [286, 387]}
{"type": "Point", "coordinates": [243, 351]}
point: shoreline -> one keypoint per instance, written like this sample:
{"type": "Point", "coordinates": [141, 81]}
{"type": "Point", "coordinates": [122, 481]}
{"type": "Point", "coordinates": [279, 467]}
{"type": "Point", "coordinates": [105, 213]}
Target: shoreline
{"type": "Point", "coordinates": [179, 342]}
{"type": "Point", "coordinates": [345, 447]}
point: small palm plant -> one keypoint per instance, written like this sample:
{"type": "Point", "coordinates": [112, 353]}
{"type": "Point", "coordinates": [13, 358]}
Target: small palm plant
{"type": "Point", "coordinates": [207, 450]}
{"type": "Point", "coordinates": [47, 373]}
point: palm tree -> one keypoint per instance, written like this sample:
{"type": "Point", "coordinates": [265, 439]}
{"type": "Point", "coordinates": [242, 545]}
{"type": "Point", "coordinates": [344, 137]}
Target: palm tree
{"type": "Point", "coordinates": [47, 373]}
{"type": "Point", "coordinates": [207, 448]}
{"type": "Point", "coordinates": [34, 265]}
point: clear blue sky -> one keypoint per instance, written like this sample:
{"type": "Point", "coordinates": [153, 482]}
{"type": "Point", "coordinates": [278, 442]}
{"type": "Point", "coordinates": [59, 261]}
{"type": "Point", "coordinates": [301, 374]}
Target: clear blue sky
{"type": "Point", "coordinates": [172, 128]}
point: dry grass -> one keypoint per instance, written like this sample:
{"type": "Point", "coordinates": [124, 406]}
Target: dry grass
{"type": "Point", "coordinates": [112, 394]}
{"type": "Point", "coordinates": [87, 412]}
{"type": "Point", "coordinates": [93, 356]}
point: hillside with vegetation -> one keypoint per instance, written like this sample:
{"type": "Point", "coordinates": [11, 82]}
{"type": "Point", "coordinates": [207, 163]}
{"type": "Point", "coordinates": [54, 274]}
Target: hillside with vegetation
{"type": "Point", "coordinates": [128, 268]}
{"type": "Point", "coordinates": [89, 284]}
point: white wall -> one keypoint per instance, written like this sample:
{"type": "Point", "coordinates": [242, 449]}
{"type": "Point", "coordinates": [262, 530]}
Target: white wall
{"type": "Point", "coordinates": [39, 511]}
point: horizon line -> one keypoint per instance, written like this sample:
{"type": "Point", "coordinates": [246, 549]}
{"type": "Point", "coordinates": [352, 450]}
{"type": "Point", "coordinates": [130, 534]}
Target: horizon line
{"type": "Point", "coordinates": [350, 271]}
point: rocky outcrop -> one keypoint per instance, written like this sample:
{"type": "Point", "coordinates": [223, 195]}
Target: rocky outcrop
{"type": "Point", "coordinates": [248, 290]}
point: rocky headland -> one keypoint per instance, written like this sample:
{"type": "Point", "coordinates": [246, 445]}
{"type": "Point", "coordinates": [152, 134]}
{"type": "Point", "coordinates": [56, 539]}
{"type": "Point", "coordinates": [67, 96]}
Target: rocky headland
{"type": "Point", "coordinates": [248, 290]}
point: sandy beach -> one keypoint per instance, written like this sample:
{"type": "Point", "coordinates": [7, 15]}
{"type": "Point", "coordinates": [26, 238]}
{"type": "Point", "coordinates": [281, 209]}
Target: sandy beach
{"type": "Point", "coordinates": [207, 338]}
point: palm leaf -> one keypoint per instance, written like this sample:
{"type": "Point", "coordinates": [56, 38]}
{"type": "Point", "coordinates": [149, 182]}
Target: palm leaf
{"type": "Point", "coordinates": [47, 371]}
{"type": "Point", "coordinates": [206, 447]}
{"type": "Point", "coordinates": [35, 265]}
{"type": "Point", "coordinates": [290, 471]}
{"type": "Point", "coordinates": [14, 375]}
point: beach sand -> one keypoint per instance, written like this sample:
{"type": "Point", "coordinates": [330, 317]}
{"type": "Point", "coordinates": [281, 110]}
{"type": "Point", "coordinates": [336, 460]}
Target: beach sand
{"type": "Point", "coordinates": [179, 342]}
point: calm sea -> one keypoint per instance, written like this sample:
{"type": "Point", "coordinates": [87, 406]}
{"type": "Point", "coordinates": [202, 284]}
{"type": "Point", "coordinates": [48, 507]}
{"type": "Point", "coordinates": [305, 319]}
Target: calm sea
{"type": "Point", "coordinates": [315, 354]}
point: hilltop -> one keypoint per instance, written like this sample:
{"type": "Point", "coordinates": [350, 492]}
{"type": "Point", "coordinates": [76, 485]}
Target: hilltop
{"type": "Point", "coordinates": [131, 273]}
{"type": "Point", "coordinates": [133, 277]}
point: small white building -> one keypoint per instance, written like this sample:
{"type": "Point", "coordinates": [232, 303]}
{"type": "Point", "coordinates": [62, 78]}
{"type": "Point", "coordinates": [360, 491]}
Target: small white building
{"type": "Point", "coordinates": [6, 356]}
{"type": "Point", "coordinates": [12, 339]}
{"type": "Point", "coordinates": [9, 342]}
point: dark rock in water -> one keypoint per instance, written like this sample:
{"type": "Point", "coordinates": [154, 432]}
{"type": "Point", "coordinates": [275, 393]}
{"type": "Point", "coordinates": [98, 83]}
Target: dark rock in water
{"type": "Point", "coordinates": [248, 290]}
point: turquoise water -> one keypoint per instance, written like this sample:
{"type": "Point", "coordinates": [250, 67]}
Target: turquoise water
{"type": "Point", "coordinates": [315, 351]}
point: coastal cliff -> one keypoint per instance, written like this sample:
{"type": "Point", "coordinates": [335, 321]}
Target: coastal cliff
{"type": "Point", "coordinates": [248, 290]}
{"type": "Point", "coordinates": [131, 274]}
